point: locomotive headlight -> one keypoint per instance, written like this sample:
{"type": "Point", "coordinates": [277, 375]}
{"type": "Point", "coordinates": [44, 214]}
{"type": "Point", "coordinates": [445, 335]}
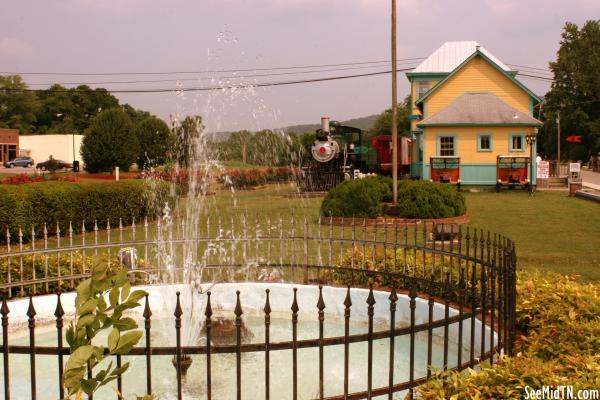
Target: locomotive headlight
{"type": "Point", "coordinates": [324, 151]}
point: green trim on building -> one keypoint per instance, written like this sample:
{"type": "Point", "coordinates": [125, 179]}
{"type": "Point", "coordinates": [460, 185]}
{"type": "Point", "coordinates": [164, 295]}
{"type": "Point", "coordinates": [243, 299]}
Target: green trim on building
{"type": "Point", "coordinates": [423, 152]}
{"type": "Point", "coordinates": [531, 106]}
{"type": "Point", "coordinates": [415, 116]}
{"type": "Point", "coordinates": [486, 124]}
{"type": "Point", "coordinates": [492, 63]}
{"type": "Point", "coordinates": [478, 173]}
{"type": "Point", "coordinates": [491, 135]}
{"type": "Point", "coordinates": [426, 76]}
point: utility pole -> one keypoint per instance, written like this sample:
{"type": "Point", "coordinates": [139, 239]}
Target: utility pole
{"type": "Point", "coordinates": [394, 110]}
{"type": "Point", "coordinates": [558, 143]}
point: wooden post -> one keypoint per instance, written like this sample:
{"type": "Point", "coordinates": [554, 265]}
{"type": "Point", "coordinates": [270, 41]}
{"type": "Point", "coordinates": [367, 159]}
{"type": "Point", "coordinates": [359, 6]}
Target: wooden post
{"type": "Point", "coordinates": [558, 144]}
{"type": "Point", "coordinates": [394, 109]}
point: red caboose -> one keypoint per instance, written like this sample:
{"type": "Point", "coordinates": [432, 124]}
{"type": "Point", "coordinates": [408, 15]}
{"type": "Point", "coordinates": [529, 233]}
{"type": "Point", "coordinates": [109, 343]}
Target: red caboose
{"type": "Point", "coordinates": [383, 147]}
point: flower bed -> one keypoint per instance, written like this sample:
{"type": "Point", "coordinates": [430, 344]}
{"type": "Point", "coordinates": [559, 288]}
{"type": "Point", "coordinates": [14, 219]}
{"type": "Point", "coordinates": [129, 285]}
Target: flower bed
{"type": "Point", "coordinates": [24, 178]}
{"type": "Point", "coordinates": [252, 177]}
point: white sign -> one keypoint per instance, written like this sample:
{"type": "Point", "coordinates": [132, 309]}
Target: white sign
{"type": "Point", "coordinates": [543, 170]}
{"type": "Point", "coordinates": [574, 167]}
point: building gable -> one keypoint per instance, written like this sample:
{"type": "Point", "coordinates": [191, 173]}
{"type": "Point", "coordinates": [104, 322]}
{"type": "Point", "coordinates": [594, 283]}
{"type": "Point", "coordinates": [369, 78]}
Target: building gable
{"type": "Point", "coordinates": [478, 74]}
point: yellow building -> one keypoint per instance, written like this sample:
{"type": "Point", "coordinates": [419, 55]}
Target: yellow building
{"type": "Point", "coordinates": [469, 106]}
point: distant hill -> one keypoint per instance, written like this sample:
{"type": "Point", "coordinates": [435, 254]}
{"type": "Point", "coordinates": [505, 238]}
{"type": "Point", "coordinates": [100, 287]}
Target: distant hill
{"type": "Point", "coordinates": [364, 123]}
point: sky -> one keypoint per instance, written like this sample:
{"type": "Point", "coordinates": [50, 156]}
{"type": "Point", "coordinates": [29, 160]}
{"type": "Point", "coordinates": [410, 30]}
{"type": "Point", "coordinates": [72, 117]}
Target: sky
{"type": "Point", "coordinates": [349, 37]}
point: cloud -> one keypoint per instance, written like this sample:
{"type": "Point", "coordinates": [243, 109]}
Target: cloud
{"type": "Point", "coordinates": [15, 48]}
{"type": "Point", "coordinates": [504, 7]}
{"type": "Point", "coordinates": [404, 7]}
{"type": "Point", "coordinates": [109, 6]}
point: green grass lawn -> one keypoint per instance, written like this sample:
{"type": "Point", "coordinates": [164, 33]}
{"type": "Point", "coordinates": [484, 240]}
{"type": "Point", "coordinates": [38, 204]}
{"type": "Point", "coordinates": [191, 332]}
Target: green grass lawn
{"type": "Point", "coordinates": [551, 230]}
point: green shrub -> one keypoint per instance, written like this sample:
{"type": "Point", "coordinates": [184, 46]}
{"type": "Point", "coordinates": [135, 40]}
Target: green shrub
{"type": "Point", "coordinates": [361, 198]}
{"type": "Point", "coordinates": [424, 199]}
{"type": "Point", "coordinates": [64, 202]}
{"type": "Point", "coordinates": [559, 319]}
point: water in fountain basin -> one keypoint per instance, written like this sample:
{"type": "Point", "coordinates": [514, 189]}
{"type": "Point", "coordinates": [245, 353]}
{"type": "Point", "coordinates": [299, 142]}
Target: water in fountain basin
{"type": "Point", "coordinates": [223, 365]}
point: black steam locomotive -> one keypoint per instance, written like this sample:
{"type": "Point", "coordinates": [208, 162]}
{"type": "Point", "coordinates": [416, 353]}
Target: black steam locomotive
{"type": "Point", "coordinates": [340, 153]}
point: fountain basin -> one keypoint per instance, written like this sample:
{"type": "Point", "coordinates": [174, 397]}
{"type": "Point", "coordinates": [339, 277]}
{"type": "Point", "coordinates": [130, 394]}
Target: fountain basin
{"type": "Point", "coordinates": [162, 300]}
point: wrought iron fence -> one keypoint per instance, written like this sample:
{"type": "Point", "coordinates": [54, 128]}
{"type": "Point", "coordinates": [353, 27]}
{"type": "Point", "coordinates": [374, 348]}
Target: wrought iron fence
{"type": "Point", "coordinates": [462, 278]}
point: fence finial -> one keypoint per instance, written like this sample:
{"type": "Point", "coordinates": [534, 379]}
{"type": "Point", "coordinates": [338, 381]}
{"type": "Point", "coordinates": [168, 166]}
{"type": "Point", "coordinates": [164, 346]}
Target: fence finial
{"type": "Point", "coordinates": [267, 308]}
{"type": "Point", "coordinates": [59, 312]}
{"type": "Point", "coordinates": [208, 312]}
{"type": "Point", "coordinates": [147, 313]}
{"type": "Point", "coordinates": [31, 309]}
{"type": "Point", "coordinates": [178, 311]}
{"type": "Point", "coordinates": [347, 300]}
{"type": "Point", "coordinates": [321, 302]}
{"type": "Point", "coordinates": [238, 305]}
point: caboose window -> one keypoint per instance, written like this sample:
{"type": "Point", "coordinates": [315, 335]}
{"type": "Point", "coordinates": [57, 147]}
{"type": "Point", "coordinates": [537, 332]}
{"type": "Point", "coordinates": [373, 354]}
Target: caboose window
{"type": "Point", "coordinates": [446, 146]}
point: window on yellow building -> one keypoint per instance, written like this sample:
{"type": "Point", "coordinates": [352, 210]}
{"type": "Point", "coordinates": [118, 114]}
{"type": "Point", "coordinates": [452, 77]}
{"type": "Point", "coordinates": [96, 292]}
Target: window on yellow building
{"type": "Point", "coordinates": [484, 142]}
{"type": "Point", "coordinates": [446, 146]}
{"type": "Point", "coordinates": [517, 143]}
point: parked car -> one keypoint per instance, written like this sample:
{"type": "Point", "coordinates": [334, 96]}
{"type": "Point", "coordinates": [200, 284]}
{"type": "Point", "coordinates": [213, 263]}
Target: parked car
{"type": "Point", "coordinates": [60, 164]}
{"type": "Point", "coordinates": [19, 162]}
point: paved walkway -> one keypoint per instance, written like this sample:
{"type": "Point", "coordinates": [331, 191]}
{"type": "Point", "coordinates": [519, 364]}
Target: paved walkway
{"type": "Point", "coordinates": [590, 179]}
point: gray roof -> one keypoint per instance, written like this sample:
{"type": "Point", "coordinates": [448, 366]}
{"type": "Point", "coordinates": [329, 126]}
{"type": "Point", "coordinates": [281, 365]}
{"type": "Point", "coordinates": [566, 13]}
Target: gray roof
{"type": "Point", "coordinates": [451, 54]}
{"type": "Point", "coordinates": [479, 109]}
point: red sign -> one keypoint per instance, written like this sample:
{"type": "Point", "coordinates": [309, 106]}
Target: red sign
{"type": "Point", "coordinates": [574, 139]}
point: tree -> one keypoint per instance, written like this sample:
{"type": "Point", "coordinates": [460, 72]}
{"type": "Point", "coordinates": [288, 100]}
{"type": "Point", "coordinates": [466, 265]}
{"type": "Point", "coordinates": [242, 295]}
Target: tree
{"type": "Point", "coordinates": [155, 140]}
{"type": "Point", "coordinates": [109, 142]}
{"type": "Point", "coordinates": [383, 123]}
{"type": "Point", "coordinates": [64, 110]}
{"type": "Point", "coordinates": [575, 93]}
{"type": "Point", "coordinates": [18, 105]}
{"type": "Point", "coordinates": [186, 135]}
{"type": "Point", "coordinates": [239, 145]}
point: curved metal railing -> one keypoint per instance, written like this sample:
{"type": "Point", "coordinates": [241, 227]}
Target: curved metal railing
{"type": "Point", "coordinates": [463, 278]}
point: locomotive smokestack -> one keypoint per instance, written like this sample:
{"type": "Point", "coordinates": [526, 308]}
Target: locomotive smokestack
{"type": "Point", "coordinates": [325, 124]}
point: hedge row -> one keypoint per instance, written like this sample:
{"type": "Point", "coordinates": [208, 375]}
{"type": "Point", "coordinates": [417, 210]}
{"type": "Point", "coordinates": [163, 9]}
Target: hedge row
{"type": "Point", "coordinates": [559, 321]}
{"type": "Point", "coordinates": [64, 202]}
{"type": "Point", "coordinates": [246, 178]}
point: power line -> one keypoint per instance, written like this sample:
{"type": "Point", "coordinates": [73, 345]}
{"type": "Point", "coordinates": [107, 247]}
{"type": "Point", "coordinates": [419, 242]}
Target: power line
{"type": "Point", "coordinates": [544, 78]}
{"type": "Point", "coordinates": [209, 88]}
{"type": "Point", "coordinates": [534, 68]}
{"type": "Point", "coordinates": [207, 78]}
{"type": "Point", "coordinates": [202, 72]}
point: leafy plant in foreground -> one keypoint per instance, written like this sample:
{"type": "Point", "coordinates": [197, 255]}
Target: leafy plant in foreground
{"type": "Point", "coordinates": [95, 315]}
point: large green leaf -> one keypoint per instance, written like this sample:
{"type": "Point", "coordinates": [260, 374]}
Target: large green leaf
{"type": "Point", "coordinates": [125, 324]}
{"type": "Point", "coordinates": [80, 357]}
{"type": "Point", "coordinates": [113, 296]}
{"type": "Point", "coordinates": [86, 320]}
{"type": "Point", "coordinates": [125, 291]}
{"type": "Point", "coordinates": [88, 307]}
{"type": "Point", "coordinates": [113, 339]}
{"type": "Point", "coordinates": [83, 292]}
{"type": "Point", "coordinates": [127, 341]}
{"type": "Point", "coordinates": [136, 295]}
